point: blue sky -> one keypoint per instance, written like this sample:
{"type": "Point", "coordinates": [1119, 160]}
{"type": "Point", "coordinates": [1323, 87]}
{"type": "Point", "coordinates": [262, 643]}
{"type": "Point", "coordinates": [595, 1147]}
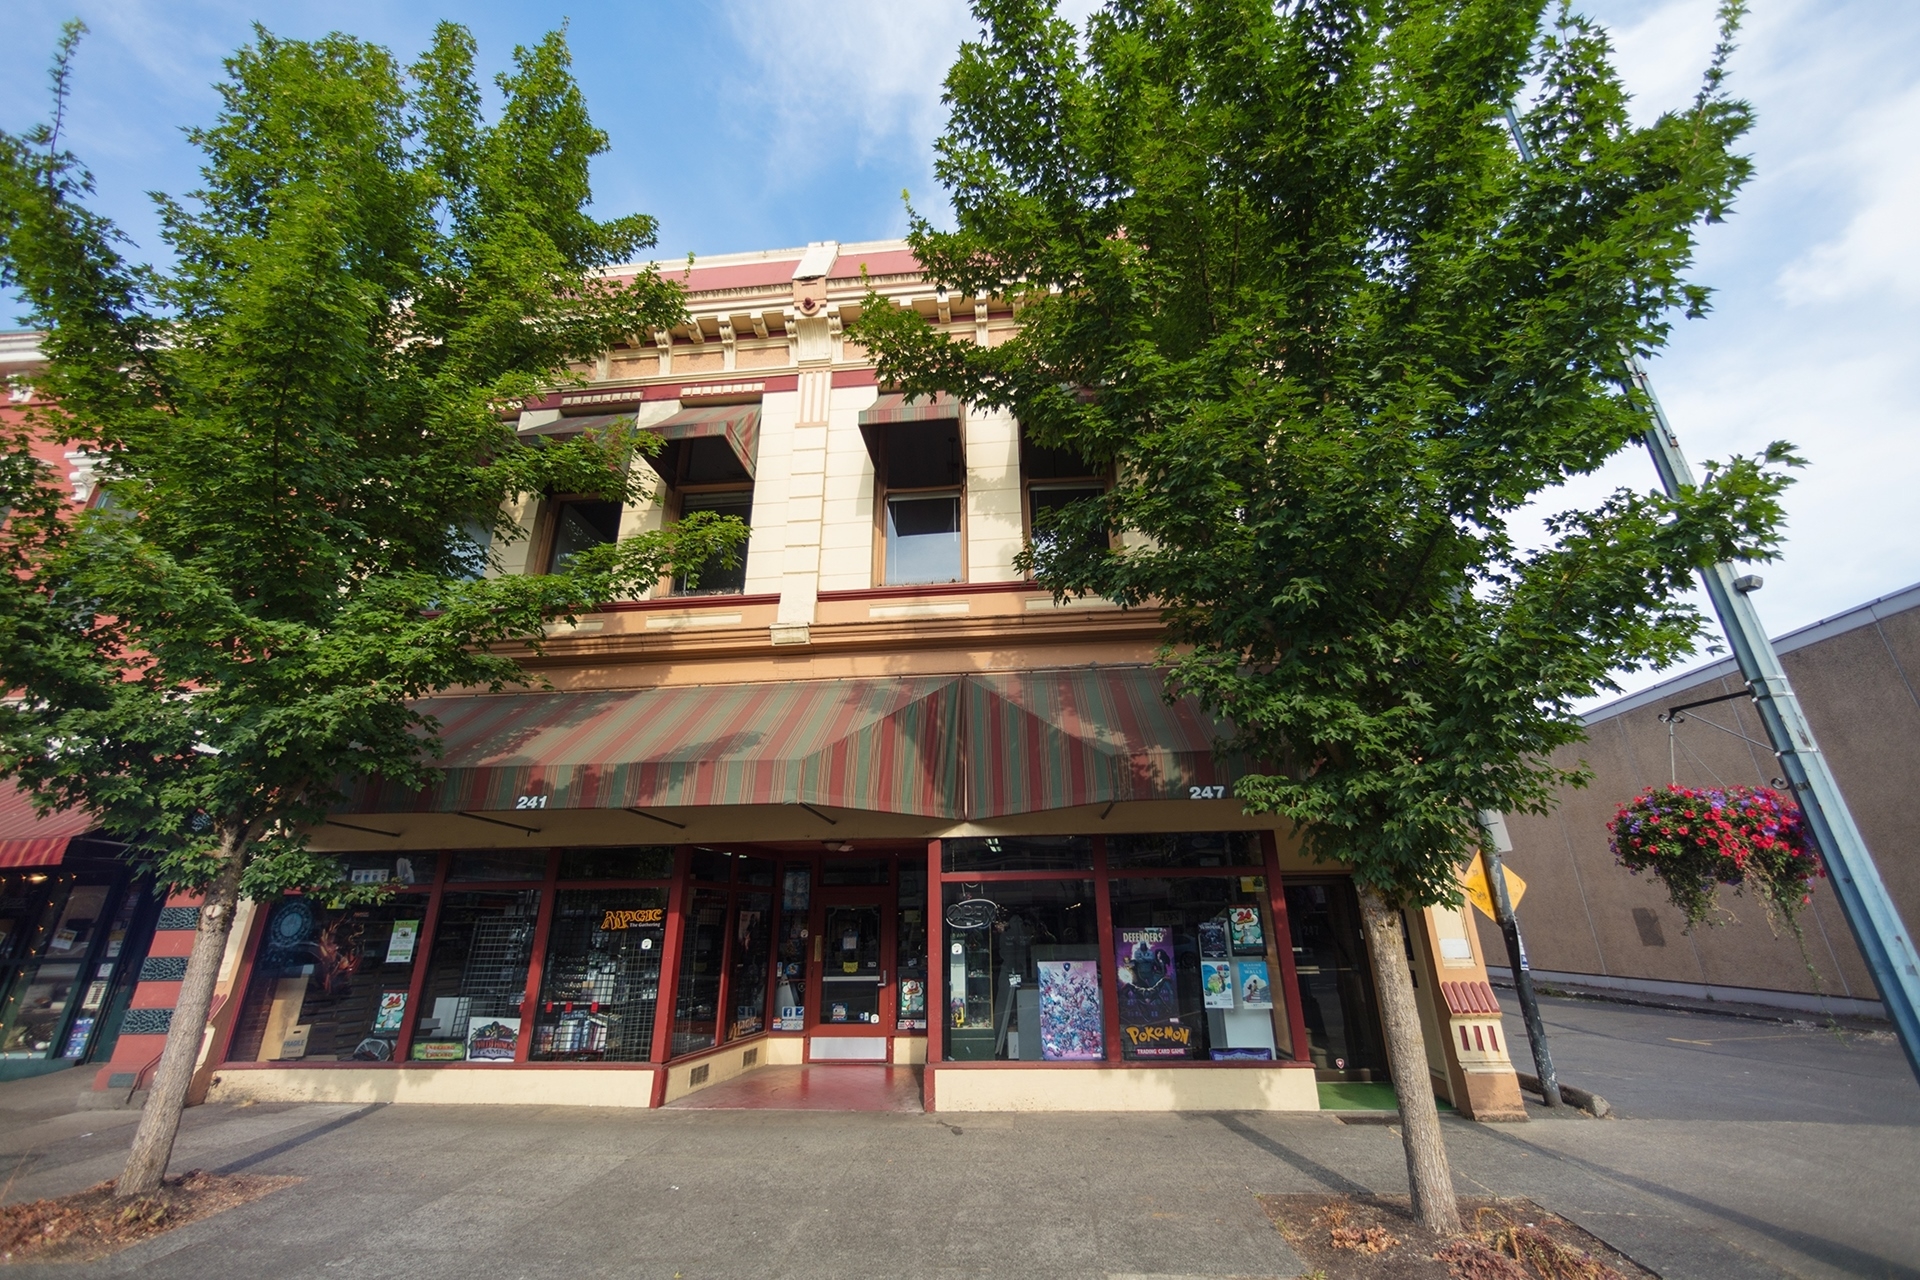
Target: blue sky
{"type": "Point", "coordinates": [753, 125]}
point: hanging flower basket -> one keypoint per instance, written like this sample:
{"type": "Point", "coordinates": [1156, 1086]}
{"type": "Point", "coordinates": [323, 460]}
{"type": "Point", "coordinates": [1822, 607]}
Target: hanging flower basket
{"type": "Point", "coordinates": [1752, 838]}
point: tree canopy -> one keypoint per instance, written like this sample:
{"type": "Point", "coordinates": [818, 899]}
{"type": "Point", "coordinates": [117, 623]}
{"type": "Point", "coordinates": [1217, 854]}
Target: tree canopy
{"type": "Point", "coordinates": [302, 426]}
{"type": "Point", "coordinates": [1282, 270]}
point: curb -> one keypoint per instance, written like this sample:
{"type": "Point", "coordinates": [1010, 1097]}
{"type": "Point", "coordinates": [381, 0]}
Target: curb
{"type": "Point", "coordinates": [1592, 1103]}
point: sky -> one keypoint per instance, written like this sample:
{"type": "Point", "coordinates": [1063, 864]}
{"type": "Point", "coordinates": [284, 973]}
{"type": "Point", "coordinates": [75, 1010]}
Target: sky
{"type": "Point", "coordinates": [752, 125]}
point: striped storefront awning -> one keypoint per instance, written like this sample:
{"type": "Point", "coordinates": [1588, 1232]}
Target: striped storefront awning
{"type": "Point", "coordinates": [1057, 739]}
{"type": "Point", "coordinates": [882, 745]}
{"type": "Point", "coordinates": [29, 840]}
{"type": "Point", "coordinates": [956, 747]}
{"type": "Point", "coordinates": [737, 424]}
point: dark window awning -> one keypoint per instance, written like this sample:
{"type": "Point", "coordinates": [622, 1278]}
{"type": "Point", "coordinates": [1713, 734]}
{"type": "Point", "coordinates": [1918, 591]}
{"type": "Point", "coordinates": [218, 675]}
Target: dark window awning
{"type": "Point", "coordinates": [893, 406]}
{"type": "Point", "coordinates": [575, 425]}
{"type": "Point", "coordinates": [957, 747]}
{"type": "Point", "coordinates": [737, 424]}
{"type": "Point", "coordinates": [893, 411]}
{"type": "Point", "coordinates": [29, 840]}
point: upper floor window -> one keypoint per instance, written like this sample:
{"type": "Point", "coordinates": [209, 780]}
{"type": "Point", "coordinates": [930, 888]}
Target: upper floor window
{"type": "Point", "coordinates": [706, 474]}
{"type": "Point", "coordinates": [1051, 479]}
{"type": "Point", "coordinates": [920, 476]}
{"type": "Point", "coordinates": [580, 523]}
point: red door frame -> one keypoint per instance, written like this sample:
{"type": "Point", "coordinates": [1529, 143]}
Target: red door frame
{"type": "Point", "coordinates": [885, 899]}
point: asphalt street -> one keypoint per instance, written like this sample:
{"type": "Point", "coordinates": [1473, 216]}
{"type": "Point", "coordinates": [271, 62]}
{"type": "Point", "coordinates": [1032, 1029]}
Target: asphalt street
{"type": "Point", "coordinates": [1735, 1157]}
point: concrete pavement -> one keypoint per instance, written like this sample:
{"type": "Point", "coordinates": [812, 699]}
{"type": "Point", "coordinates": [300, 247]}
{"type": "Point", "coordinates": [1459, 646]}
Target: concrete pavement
{"type": "Point", "coordinates": [1813, 1187]}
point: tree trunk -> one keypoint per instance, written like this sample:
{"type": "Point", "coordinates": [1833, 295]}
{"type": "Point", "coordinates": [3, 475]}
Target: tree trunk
{"type": "Point", "coordinates": [1428, 1176]}
{"type": "Point", "coordinates": [160, 1122]}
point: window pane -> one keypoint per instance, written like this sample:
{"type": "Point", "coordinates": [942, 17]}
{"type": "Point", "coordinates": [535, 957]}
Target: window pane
{"type": "Point", "coordinates": [1195, 965]}
{"type": "Point", "coordinates": [702, 943]}
{"type": "Point", "coordinates": [715, 865]}
{"type": "Point", "coordinates": [638, 862]}
{"type": "Point", "coordinates": [709, 460]}
{"type": "Point", "coordinates": [1018, 853]}
{"type": "Point", "coordinates": [923, 539]}
{"type": "Point", "coordinates": [1042, 463]}
{"type": "Point", "coordinates": [1023, 976]}
{"type": "Point", "coordinates": [602, 979]}
{"type": "Point", "coordinates": [476, 977]}
{"type": "Point", "coordinates": [714, 577]}
{"type": "Point", "coordinates": [752, 954]}
{"type": "Point", "coordinates": [924, 455]}
{"type": "Point", "coordinates": [580, 525]}
{"type": "Point", "coordinates": [498, 864]}
{"type": "Point", "coordinates": [790, 986]}
{"type": "Point", "coordinates": [755, 870]}
{"type": "Point", "coordinates": [910, 951]}
{"type": "Point", "coordinates": [1053, 498]}
{"type": "Point", "coordinates": [330, 984]}
{"type": "Point", "coordinates": [1187, 849]}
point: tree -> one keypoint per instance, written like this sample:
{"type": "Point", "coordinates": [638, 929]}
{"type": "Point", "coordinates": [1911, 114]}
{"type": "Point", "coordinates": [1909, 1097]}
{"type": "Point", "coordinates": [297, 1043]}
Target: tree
{"type": "Point", "coordinates": [1281, 268]}
{"type": "Point", "coordinates": [302, 428]}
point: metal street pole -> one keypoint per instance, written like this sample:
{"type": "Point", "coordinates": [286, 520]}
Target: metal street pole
{"type": "Point", "coordinates": [1882, 937]}
{"type": "Point", "coordinates": [1495, 842]}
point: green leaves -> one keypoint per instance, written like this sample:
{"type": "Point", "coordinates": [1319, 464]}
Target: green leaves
{"type": "Point", "coordinates": [302, 429]}
{"type": "Point", "coordinates": [1283, 267]}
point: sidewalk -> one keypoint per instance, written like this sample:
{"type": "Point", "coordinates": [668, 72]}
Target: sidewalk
{"type": "Point", "coordinates": [473, 1193]}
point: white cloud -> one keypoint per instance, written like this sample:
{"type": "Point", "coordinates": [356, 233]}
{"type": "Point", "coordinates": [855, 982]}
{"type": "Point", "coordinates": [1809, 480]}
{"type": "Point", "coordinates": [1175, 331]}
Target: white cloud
{"type": "Point", "coordinates": [1815, 335]}
{"type": "Point", "coordinates": [1879, 250]}
{"type": "Point", "coordinates": [865, 71]}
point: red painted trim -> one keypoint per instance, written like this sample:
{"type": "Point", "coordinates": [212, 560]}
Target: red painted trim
{"type": "Point", "coordinates": [686, 602]}
{"type": "Point", "coordinates": [155, 995]}
{"type": "Point", "coordinates": [330, 1065]}
{"type": "Point", "coordinates": [867, 377]}
{"type": "Point", "coordinates": [537, 962]}
{"type": "Point", "coordinates": [242, 980]}
{"type": "Point", "coordinates": [1283, 942]}
{"type": "Point", "coordinates": [1103, 928]}
{"type": "Point", "coordinates": [978, 877]}
{"type": "Point", "coordinates": [423, 956]}
{"type": "Point", "coordinates": [172, 942]}
{"type": "Point", "coordinates": [1023, 585]}
{"type": "Point", "coordinates": [663, 1004]}
{"type": "Point", "coordinates": [936, 975]}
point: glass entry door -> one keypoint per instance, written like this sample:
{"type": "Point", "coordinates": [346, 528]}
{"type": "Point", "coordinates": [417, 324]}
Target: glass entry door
{"type": "Point", "coordinates": [854, 971]}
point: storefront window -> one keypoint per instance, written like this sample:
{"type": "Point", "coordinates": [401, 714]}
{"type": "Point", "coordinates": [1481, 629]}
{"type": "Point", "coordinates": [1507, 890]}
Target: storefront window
{"type": "Point", "coordinates": [601, 982]}
{"type": "Point", "coordinates": [1023, 972]}
{"type": "Point", "coordinates": [54, 923]}
{"type": "Point", "coordinates": [835, 872]}
{"type": "Point", "coordinates": [376, 868]}
{"type": "Point", "coordinates": [790, 958]}
{"type": "Point", "coordinates": [1194, 965]}
{"type": "Point", "coordinates": [1200, 849]}
{"type": "Point", "coordinates": [752, 958]}
{"type": "Point", "coordinates": [481, 865]}
{"type": "Point", "coordinates": [703, 941]}
{"type": "Point", "coordinates": [714, 865]}
{"type": "Point", "coordinates": [641, 862]}
{"type": "Point", "coordinates": [1023, 853]}
{"type": "Point", "coordinates": [329, 984]}
{"type": "Point", "coordinates": [1335, 986]}
{"type": "Point", "coordinates": [476, 977]}
{"type": "Point", "coordinates": [910, 948]}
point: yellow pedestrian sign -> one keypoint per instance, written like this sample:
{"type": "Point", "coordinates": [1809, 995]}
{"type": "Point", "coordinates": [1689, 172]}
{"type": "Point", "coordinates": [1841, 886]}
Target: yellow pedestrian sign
{"type": "Point", "coordinates": [1474, 881]}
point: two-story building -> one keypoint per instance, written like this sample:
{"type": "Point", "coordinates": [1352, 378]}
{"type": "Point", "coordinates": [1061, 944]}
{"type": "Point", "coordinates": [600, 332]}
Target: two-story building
{"type": "Point", "coordinates": [871, 798]}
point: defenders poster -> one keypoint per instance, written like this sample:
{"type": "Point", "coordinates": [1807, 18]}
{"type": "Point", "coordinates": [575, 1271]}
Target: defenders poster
{"type": "Point", "coordinates": [1150, 1024]}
